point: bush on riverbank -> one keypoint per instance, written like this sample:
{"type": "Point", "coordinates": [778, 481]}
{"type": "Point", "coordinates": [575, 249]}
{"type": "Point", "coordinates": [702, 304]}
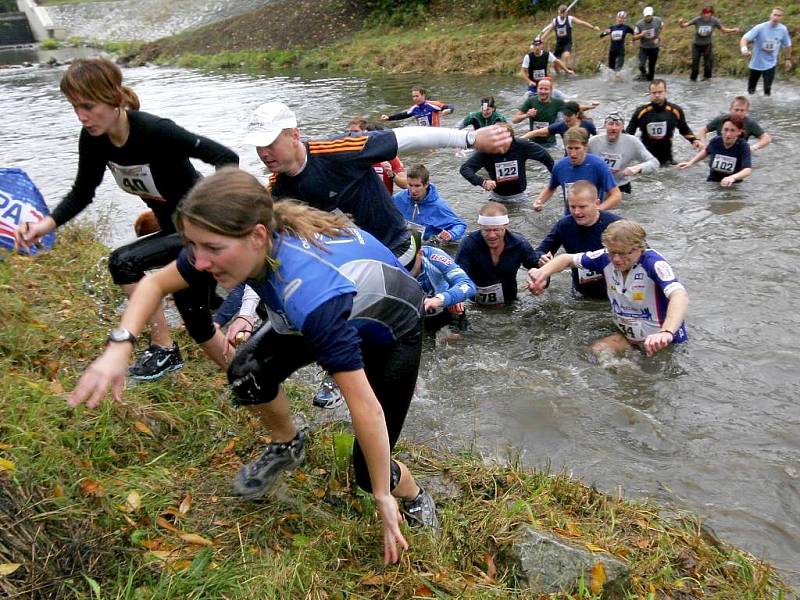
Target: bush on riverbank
{"type": "Point", "coordinates": [131, 501]}
{"type": "Point", "coordinates": [482, 37]}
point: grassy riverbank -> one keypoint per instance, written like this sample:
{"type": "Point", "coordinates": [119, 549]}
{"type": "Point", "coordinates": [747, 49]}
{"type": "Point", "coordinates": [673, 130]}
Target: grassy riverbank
{"type": "Point", "coordinates": [328, 35]}
{"type": "Point", "coordinates": [131, 501]}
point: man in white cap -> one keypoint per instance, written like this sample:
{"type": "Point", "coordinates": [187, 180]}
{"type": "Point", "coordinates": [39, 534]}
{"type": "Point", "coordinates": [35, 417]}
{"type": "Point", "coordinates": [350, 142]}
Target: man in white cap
{"type": "Point", "coordinates": [648, 31]}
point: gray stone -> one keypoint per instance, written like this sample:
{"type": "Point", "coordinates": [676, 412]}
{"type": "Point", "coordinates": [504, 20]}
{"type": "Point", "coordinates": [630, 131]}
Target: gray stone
{"type": "Point", "coordinates": [551, 564]}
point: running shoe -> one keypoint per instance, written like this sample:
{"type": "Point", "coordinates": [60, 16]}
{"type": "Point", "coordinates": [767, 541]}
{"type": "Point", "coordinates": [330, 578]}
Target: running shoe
{"type": "Point", "coordinates": [421, 512]}
{"type": "Point", "coordinates": [256, 478]}
{"type": "Point", "coordinates": [328, 394]}
{"type": "Point", "coordinates": [155, 362]}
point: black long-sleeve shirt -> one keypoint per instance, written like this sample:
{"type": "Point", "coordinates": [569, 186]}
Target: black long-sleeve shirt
{"type": "Point", "coordinates": [658, 123]}
{"type": "Point", "coordinates": [508, 169]}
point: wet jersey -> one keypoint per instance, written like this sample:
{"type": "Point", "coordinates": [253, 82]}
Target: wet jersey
{"type": "Point", "coordinates": [546, 113]}
{"type": "Point", "coordinates": [387, 301]}
{"type": "Point", "coordinates": [427, 114]}
{"type": "Point", "coordinates": [703, 29]}
{"type": "Point", "coordinates": [507, 170]}
{"type": "Point", "coordinates": [657, 124]}
{"type": "Point", "coordinates": [339, 175]}
{"type": "Point", "coordinates": [750, 128]}
{"type": "Point", "coordinates": [617, 34]}
{"type": "Point", "coordinates": [638, 301]}
{"type": "Point", "coordinates": [563, 29]}
{"type": "Point", "coordinates": [576, 238]}
{"type": "Point", "coordinates": [593, 169]}
{"type": "Point", "coordinates": [723, 161]}
{"type": "Point", "coordinates": [152, 164]}
{"type": "Point", "coordinates": [477, 120]}
{"type": "Point", "coordinates": [767, 43]}
{"type": "Point", "coordinates": [440, 274]}
{"type": "Point", "coordinates": [537, 66]}
{"type": "Point", "coordinates": [651, 32]}
{"type": "Point", "coordinates": [496, 284]}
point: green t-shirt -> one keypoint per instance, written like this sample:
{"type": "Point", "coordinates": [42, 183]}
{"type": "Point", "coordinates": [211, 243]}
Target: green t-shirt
{"type": "Point", "coordinates": [545, 114]}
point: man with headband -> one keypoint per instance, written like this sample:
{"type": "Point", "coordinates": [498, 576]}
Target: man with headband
{"type": "Point", "coordinates": [507, 180]}
{"type": "Point", "coordinates": [624, 154]}
{"type": "Point", "coordinates": [493, 255]}
{"type": "Point", "coordinates": [484, 117]}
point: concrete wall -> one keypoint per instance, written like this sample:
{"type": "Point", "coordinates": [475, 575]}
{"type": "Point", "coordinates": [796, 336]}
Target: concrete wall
{"type": "Point", "coordinates": [14, 29]}
{"type": "Point", "coordinates": [40, 22]}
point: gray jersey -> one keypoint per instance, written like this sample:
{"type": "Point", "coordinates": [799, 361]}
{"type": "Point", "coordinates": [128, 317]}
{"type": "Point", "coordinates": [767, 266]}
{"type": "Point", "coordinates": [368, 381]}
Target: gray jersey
{"type": "Point", "coordinates": [652, 31]}
{"type": "Point", "coordinates": [704, 29]}
{"type": "Point", "coordinates": [627, 151]}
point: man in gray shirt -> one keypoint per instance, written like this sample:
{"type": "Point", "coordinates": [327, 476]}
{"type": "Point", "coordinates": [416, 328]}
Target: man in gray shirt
{"type": "Point", "coordinates": [704, 27]}
{"type": "Point", "coordinates": [648, 31]}
{"type": "Point", "coordinates": [624, 154]}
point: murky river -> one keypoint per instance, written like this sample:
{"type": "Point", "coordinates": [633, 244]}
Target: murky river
{"type": "Point", "coordinates": [713, 427]}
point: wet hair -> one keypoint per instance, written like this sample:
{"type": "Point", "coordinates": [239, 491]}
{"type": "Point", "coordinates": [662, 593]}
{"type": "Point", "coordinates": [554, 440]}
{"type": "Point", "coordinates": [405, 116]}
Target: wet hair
{"type": "Point", "coordinates": [493, 209]}
{"type": "Point", "coordinates": [419, 172]}
{"type": "Point", "coordinates": [231, 202]}
{"type": "Point", "coordinates": [729, 119]}
{"type": "Point", "coordinates": [625, 233]}
{"type": "Point", "coordinates": [97, 80]}
{"type": "Point", "coordinates": [361, 122]}
{"type": "Point", "coordinates": [655, 82]}
{"type": "Point", "coordinates": [576, 134]}
{"type": "Point", "coordinates": [146, 223]}
{"type": "Point", "coordinates": [741, 100]}
{"type": "Point", "coordinates": [582, 186]}
{"type": "Point", "coordinates": [488, 100]}
{"type": "Point", "coordinates": [421, 90]}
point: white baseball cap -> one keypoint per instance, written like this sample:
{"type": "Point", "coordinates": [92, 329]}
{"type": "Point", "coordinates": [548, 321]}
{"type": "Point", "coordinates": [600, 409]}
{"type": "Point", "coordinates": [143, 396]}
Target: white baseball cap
{"type": "Point", "coordinates": [267, 122]}
{"type": "Point", "coordinates": [648, 11]}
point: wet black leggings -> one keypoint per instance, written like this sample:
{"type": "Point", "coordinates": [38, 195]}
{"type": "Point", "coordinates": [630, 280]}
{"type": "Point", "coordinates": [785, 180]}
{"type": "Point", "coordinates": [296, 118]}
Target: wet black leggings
{"type": "Point", "coordinates": [752, 81]}
{"type": "Point", "coordinates": [269, 358]}
{"type": "Point", "coordinates": [616, 59]}
{"type": "Point", "coordinates": [128, 264]}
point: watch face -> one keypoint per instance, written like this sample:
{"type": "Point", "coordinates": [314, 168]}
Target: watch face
{"type": "Point", "coordinates": [121, 335]}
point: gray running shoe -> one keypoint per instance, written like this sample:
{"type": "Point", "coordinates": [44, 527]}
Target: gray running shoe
{"type": "Point", "coordinates": [421, 512]}
{"type": "Point", "coordinates": [155, 362]}
{"type": "Point", "coordinates": [256, 478]}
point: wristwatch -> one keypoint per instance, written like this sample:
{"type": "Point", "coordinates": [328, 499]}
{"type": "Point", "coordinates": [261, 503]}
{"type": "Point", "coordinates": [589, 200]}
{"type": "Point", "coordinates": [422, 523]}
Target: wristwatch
{"type": "Point", "coordinates": [471, 136]}
{"type": "Point", "coordinates": [121, 334]}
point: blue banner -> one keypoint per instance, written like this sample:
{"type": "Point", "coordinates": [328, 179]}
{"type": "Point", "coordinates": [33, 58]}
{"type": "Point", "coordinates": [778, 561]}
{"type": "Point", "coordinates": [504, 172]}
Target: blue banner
{"type": "Point", "coordinates": [20, 202]}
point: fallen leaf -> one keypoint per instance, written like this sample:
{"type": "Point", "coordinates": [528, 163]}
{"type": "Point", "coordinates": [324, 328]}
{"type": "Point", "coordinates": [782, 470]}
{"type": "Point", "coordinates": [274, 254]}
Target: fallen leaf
{"type": "Point", "coordinates": [423, 591]}
{"type": "Point", "coordinates": [229, 446]}
{"type": "Point", "coordinates": [319, 492]}
{"type": "Point", "coordinates": [5, 446]}
{"type": "Point", "coordinates": [643, 543]}
{"type": "Point", "coordinates": [142, 428]}
{"type": "Point", "coordinates": [90, 487]}
{"type": "Point", "coordinates": [163, 555]}
{"type": "Point", "coordinates": [162, 522]}
{"type": "Point", "coordinates": [376, 579]}
{"type": "Point", "coordinates": [491, 569]}
{"type": "Point", "coordinates": [186, 504]}
{"type": "Point", "coordinates": [597, 578]}
{"type": "Point", "coordinates": [594, 548]}
{"type": "Point", "coordinates": [193, 538]}
{"type": "Point", "coordinates": [58, 491]}
{"type": "Point", "coordinates": [56, 387]}
{"type": "Point", "coordinates": [179, 565]}
{"type": "Point", "coordinates": [8, 568]}
{"type": "Point", "coordinates": [7, 465]}
{"type": "Point", "coordinates": [133, 502]}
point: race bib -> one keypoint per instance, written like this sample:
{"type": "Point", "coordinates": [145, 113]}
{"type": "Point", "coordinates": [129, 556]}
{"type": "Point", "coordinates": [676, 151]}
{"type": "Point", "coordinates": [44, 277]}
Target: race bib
{"type": "Point", "coordinates": [724, 164]}
{"type": "Point", "coordinates": [539, 73]}
{"type": "Point", "coordinates": [489, 295]}
{"type": "Point", "coordinates": [768, 46]}
{"type": "Point", "coordinates": [588, 276]}
{"type": "Point", "coordinates": [616, 35]}
{"type": "Point", "coordinates": [649, 33]}
{"type": "Point", "coordinates": [633, 329]}
{"type": "Point", "coordinates": [540, 124]}
{"type": "Point", "coordinates": [612, 160]}
{"type": "Point", "coordinates": [561, 31]}
{"type": "Point", "coordinates": [507, 170]}
{"type": "Point", "coordinates": [135, 179]}
{"type": "Point", "coordinates": [657, 129]}
{"type": "Point", "coordinates": [704, 30]}
{"type": "Point", "coordinates": [423, 121]}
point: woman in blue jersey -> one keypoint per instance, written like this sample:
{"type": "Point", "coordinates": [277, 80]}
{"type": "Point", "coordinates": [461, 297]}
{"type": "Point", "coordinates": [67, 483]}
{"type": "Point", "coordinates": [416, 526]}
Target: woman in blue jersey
{"type": "Point", "coordinates": [648, 303]}
{"type": "Point", "coordinates": [728, 155]}
{"type": "Point", "coordinates": [334, 295]}
{"type": "Point", "coordinates": [148, 157]}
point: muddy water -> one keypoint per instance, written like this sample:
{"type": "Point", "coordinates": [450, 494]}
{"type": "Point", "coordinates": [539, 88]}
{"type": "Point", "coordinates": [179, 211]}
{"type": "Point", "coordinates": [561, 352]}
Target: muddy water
{"type": "Point", "coordinates": [713, 427]}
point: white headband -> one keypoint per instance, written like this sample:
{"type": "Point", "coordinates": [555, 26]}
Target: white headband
{"type": "Point", "coordinates": [493, 220]}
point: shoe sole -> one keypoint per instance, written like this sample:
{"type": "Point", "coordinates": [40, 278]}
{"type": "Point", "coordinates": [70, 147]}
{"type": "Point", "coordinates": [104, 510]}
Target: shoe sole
{"type": "Point", "coordinates": [263, 490]}
{"type": "Point", "coordinates": [328, 405]}
{"type": "Point", "coordinates": [158, 375]}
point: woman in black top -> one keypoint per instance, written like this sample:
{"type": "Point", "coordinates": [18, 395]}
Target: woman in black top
{"type": "Point", "coordinates": [149, 157]}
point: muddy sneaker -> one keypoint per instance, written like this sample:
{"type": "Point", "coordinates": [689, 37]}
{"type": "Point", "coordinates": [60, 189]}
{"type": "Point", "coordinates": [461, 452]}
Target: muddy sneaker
{"type": "Point", "coordinates": [155, 362]}
{"type": "Point", "coordinates": [256, 478]}
{"type": "Point", "coordinates": [328, 394]}
{"type": "Point", "coordinates": [421, 512]}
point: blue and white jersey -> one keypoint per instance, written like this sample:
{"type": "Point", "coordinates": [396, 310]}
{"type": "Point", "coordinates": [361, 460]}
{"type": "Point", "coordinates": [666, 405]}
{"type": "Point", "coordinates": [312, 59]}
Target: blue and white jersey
{"type": "Point", "coordinates": [638, 301]}
{"type": "Point", "coordinates": [440, 274]}
{"type": "Point", "coordinates": [387, 302]}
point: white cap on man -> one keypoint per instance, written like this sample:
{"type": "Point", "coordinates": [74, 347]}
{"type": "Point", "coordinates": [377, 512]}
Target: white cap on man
{"type": "Point", "coordinates": [267, 122]}
{"type": "Point", "coordinates": [648, 11]}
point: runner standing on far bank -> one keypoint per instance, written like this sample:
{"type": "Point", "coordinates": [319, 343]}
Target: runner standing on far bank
{"type": "Point", "coordinates": [768, 39]}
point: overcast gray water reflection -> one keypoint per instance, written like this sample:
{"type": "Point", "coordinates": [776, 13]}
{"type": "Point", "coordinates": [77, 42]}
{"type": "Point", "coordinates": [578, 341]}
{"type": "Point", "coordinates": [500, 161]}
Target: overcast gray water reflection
{"type": "Point", "coordinates": [712, 427]}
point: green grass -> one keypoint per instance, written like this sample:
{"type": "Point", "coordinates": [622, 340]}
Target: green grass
{"type": "Point", "coordinates": [131, 501]}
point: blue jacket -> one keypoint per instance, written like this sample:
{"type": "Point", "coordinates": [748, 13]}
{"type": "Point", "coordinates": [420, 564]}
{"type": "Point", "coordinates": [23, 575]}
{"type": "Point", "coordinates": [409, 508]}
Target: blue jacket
{"type": "Point", "coordinates": [432, 212]}
{"type": "Point", "coordinates": [441, 275]}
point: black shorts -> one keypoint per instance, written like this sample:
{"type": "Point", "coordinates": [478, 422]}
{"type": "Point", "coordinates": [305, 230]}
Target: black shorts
{"type": "Point", "coordinates": [625, 189]}
{"type": "Point", "coordinates": [561, 48]}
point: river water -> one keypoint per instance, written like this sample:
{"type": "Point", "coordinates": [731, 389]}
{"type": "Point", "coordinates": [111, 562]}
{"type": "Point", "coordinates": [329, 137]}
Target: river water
{"type": "Point", "coordinates": [713, 427]}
